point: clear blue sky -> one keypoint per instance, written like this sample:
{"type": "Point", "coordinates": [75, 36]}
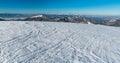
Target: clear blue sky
{"type": "Point", "coordinates": [87, 7]}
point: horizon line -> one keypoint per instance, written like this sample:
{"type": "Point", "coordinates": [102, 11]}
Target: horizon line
{"type": "Point", "coordinates": [61, 14]}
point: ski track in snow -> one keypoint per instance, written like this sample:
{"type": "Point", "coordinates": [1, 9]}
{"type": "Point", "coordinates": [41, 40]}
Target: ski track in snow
{"type": "Point", "coordinates": [52, 42]}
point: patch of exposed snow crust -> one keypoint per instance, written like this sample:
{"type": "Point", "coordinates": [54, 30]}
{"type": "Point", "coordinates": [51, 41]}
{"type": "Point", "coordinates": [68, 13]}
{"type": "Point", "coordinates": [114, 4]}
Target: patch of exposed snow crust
{"type": "Point", "coordinates": [52, 42]}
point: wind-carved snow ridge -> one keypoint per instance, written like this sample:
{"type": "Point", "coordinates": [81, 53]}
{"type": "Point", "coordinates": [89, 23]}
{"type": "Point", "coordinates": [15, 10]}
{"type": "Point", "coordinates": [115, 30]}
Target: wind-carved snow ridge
{"type": "Point", "coordinates": [48, 42]}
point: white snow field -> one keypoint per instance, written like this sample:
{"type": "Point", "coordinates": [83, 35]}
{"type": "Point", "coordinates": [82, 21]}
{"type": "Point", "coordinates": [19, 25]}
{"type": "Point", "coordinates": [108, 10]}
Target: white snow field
{"type": "Point", "coordinates": [53, 42]}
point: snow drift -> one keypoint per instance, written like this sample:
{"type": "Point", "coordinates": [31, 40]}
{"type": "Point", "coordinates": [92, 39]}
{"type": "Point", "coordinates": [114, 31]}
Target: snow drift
{"type": "Point", "coordinates": [48, 42]}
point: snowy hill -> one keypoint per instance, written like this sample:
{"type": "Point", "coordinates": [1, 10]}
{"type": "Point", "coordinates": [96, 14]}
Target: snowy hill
{"type": "Point", "coordinates": [48, 42]}
{"type": "Point", "coordinates": [37, 16]}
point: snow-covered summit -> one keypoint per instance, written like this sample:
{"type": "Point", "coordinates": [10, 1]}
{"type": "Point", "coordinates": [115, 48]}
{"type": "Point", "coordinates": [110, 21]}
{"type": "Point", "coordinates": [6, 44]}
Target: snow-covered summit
{"type": "Point", "coordinates": [37, 16]}
{"type": "Point", "coordinates": [48, 42]}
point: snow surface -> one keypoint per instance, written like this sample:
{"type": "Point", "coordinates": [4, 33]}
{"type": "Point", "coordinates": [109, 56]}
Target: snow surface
{"type": "Point", "coordinates": [48, 42]}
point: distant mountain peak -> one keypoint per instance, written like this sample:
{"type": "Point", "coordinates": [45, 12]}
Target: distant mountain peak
{"type": "Point", "coordinates": [37, 16]}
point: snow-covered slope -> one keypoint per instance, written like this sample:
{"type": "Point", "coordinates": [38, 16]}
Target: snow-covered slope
{"type": "Point", "coordinates": [48, 42]}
